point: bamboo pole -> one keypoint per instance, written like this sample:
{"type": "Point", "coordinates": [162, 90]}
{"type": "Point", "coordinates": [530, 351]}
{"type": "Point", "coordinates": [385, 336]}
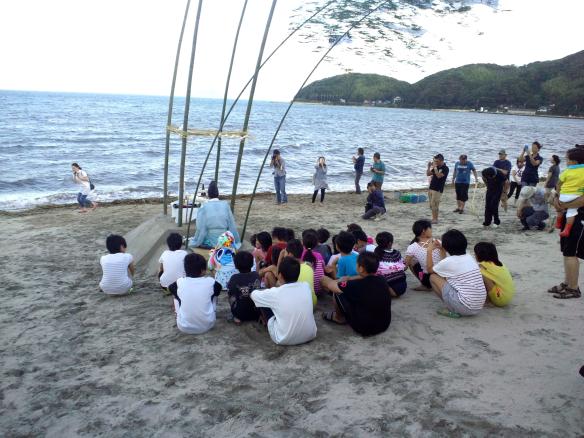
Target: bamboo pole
{"type": "Point", "coordinates": [183, 155]}
{"type": "Point", "coordinates": [250, 104]}
{"type": "Point", "coordinates": [290, 35]}
{"type": "Point", "coordinates": [227, 87]}
{"type": "Point", "coordinates": [292, 103]}
{"type": "Point", "coordinates": [170, 107]}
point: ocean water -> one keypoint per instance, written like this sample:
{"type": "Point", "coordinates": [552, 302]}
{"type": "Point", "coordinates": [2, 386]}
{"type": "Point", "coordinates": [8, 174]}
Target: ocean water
{"type": "Point", "coordinates": [119, 140]}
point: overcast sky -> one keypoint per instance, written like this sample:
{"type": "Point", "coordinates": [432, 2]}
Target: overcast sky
{"type": "Point", "coordinates": [128, 46]}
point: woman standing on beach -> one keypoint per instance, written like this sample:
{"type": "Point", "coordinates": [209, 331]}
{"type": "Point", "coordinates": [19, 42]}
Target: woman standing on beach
{"type": "Point", "coordinates": [319, 179]}
{"type": "Point", "coordinates": [279, 172]}
{"type": "Point", "coordinates": [81, 178]}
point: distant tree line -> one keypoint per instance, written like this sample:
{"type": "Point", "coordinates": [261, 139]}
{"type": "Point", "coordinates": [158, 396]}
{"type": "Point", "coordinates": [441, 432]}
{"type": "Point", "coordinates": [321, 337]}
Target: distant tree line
{"type": "Point", "coordinates": [557, 86]}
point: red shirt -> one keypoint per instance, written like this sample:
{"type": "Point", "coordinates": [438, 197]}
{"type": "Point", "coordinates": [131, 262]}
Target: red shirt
{"type": "Point", "coordinates": [281, 245]}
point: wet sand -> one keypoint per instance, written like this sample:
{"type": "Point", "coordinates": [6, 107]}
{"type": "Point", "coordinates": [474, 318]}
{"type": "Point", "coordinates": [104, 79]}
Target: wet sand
{"type": "Point", "coordinates": [78, 363]}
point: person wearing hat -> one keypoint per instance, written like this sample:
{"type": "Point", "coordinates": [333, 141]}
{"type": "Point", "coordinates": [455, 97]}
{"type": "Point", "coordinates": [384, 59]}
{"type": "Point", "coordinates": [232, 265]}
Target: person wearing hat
{"type": "Point", "coordinates": [505, 166]}
{"type": "Point", "coordinates": [279, 172]}
{"type": "Point", "coordinates": [461, 180]}
{"type": "Point", "coordinates": [532, 209]}
{"type": "Point", "coordinates": [438, 170]}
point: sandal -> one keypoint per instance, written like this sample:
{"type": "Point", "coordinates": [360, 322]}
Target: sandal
{"type": "Point", "coordinates": [557, 289]}
{"type": "Point", "coordinates": [330, 317]}
{"type": "Point", "coordinates": [568, 293]}
{"type": "Point", "coordinates": [448, 313]}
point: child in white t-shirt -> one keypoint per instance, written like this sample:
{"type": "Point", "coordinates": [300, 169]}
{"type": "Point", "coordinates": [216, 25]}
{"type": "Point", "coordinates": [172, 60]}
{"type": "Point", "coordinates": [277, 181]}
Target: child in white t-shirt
{"type": "Point", "coordinates": [117, 267]}
{"type": "Point", "coordinates": [456, 279]}
{"type": "Point", "coordinates": [172, 266]}
{"type": "Point", "coordinates": [196, 298]}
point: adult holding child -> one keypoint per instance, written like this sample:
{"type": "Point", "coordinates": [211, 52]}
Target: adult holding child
{"type": "Point", "coordinates": [533, 160]}
{"type": "Point", "coordinates": [461, 180]}
{"type": "Point", "coordinates": [319, 179]}
{"type": "Point", "coordinates": [213, 219]}
{"type": "Point", "coordinates": [438, 171]}
{"type": "Point", "coordinates": [86, 188]}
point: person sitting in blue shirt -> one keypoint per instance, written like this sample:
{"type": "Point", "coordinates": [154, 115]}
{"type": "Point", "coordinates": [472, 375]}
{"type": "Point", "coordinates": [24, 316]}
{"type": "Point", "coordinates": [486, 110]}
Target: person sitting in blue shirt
{"type": "Point", "coordinates": [375, 203]}
{"type": "Point", "coordinates": [213, 219]}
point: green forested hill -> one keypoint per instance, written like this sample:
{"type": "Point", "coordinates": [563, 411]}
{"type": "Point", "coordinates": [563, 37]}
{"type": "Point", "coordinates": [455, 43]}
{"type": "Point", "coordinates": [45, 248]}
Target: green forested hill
{"type": "Point", "coordinates": [558, 83]}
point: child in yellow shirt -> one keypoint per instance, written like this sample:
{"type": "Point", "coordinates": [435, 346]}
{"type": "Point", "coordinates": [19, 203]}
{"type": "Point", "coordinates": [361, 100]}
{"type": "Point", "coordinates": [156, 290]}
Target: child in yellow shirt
{"type": "Point", "coordinates": [570, 187]}
{"type": "Point", "coordinates": [497, 278]}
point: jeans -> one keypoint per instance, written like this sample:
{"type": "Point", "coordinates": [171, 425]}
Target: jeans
{"type": "Point", "coordinates": [531, 218]}
{"type": "Point", "coordinates": [82, 200]}
{"type": "Point", "coordinates": [280, 186]}
{"type": "Point", "coordinates": [358, 175]}
{"type": "Point", "coordinates": [373, 211]}
{"type": "Point", "coordinates": [321, 195]}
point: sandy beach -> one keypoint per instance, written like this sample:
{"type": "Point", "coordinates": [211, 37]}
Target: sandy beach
{"type": "Point", "coordinates": [78, 363]}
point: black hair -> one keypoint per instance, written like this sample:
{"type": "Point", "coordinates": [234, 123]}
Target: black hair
{"type": "Point", "coordinates": [520, 161]}
{"type": "Point", "coordinates": [489, 172]}
{"type": "Point", "coordinates": [174, 241]}
{"type": "Point", "coordinates": [556, 159]}
{"type": "Point", "coordinates": [276, 250]}
{"type": "Point", "coordinates": [310, 240]}
{"type": "Point", "coordinates": [290, 269]}
{"type": "Point", "coordinates": [308, 230]}
{"type": "Point", "coordinates": [323, 235]}
{"type": "Point", "coordinates": [114, 243]}
{"type": "Point", "coordinates": [290, 234]}
{"type": "Point", "coordinates": [76, 165]}
{"type": "Point", "coordinates": [353, 227]}
{"type": "Point", "coordinates": [213, 190]}
{"type": "Point", "coordinates": [334, 242]}
{"type": "Point", "coordinates": [195, 265]}
{"type": "Point", "coordinates": [368, 261]}
{"type": "Point", "coordinates": [345, 242]}
{"type": "Point", "coordinates": [253, 239]}
{"type": "Point", "coordinates": [537, 143]}
{"type": "Point", "coordinates": [454, 242]}
{"type": "Point", "coordinates": [439, 157]}
{"type": "Point", "coordinates": [487, 252]}
{"type": "Point", "coordinates": [243, 261]}
{"type": "Point", "coordinates": [419, 227]}
{"type": "Point", "coordinates": [576, 154]}
{"type": "Point", "coordinates": [359, 235]}
{"type": "Point", "coordinates": [384, 242]}
{"type": "Point", "coordinates": [360, 151]}
{"type": "Point", "coordinates": [377, 155]}
{"type": "Point", "coordinates": [280, 233]}
{"type": "Point", "coordinates": [265, 240]}
{"type": "Point", "coordinates": [295, 248]}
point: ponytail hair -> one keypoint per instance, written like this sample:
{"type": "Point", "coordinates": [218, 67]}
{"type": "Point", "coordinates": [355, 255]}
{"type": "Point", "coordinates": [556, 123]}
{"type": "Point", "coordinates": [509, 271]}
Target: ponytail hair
{"type": "Point", "coordinates": [384, 242]}
{"type": "Point", "coordinates": [310, 241]}
{"type": "Point", "coordinates": [487, 252]}
{"type": "Point", "coordinates": [419, 227]}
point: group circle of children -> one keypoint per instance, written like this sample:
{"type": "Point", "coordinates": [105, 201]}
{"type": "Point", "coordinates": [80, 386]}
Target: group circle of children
{"type": "Point", "coordinates": [280, 281]}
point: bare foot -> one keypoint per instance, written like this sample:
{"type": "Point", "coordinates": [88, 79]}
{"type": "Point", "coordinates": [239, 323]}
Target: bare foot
{"type": "Point", "coordinates": [94, 206]}
{"type": "Point", "coordinates": [423, 288]}
{"type": "Point", "coordinates": [83, 210]}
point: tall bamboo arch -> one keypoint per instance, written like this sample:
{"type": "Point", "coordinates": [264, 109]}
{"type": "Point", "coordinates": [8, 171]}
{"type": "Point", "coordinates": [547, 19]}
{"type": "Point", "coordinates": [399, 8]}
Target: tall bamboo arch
{"type": "Point", "coordinates": [185, 132]}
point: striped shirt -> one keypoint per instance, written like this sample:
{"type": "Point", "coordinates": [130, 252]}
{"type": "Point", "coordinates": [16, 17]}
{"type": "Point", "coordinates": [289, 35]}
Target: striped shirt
{"type": "Point", "coordinates": [464, 275]}
{"type": "Point", "coordinates": [419, 252]}
{"type": "Point", "coordinates": [116, 279]}
{"type": "Point", "coordinates": [317, 267]}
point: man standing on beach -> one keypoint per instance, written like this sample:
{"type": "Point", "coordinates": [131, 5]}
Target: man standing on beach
{"type": "Point", "coordinates": [504, 166]}
{"type": "Point", "coordinates": [461, 180]}
{"type": "Point", "coordinates": [358, 163]}
{"type": "Point", "coordinates": [279, 166]}
{"type": "Point", "coordinates": [378, 170]}
{"type": "Point", "coordinates": [438, 170]}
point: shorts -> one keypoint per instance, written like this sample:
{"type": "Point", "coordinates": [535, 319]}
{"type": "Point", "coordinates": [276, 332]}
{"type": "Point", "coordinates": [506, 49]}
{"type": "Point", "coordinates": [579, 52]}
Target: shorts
{"type": "Point", "coordinates": [573, 245]}
{"type": "Point", "coordinates": [398, 286]}
{"type": "Point", "coordinates": [434, 199]}
{"type": "Point", "coordinates": [461, 191]}
{"type": "Point", "coordinates": [452, 302]}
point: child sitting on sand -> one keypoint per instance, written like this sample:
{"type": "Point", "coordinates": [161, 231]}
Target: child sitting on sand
{"type": "Point", "coordinates": [294, 249]}
{"type": "Point", "coordinates": [497, 278]}
{"type": "Point", "coordinates": [391, 264]}
{"type": "Point", "coordinates": [221, 258]}
{"type": "Point", "coordinates": [240, 287]}
{"type": "Point", "coordinates": [117, 267]}
{"type": "Point", "coordinates": [347, 263]}
{"type": "Point", "coordinates": [416, 253]}
{"type": "Point", "coordinates": [287, 309]}
{"type": "Point", "coordinates": [172, 266]}
{"type": "Point", "coordinates": [196, 301]}
{"type": "Point", "coordinates": [570, 187]}
{"type": "Point", "coordinates": [323, 248]}
{"type": "Point", "coordinates": [313, 257]}
{"type": "Point", "coordinates": [456, 279]}
{"type": "Point", "coordinates": [261, 248]}
{"type": "Point", "coordinates": [269, 274]}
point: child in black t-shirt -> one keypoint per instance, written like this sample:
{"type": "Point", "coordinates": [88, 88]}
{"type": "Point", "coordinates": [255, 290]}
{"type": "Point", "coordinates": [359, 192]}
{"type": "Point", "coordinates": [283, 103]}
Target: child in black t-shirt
{"type": "Point", "coordinates": [240, 287]}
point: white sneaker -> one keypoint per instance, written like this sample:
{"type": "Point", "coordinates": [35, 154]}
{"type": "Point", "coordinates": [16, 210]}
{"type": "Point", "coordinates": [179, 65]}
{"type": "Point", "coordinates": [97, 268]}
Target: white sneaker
{"type": "Point", "coordinates": [494, 226]}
